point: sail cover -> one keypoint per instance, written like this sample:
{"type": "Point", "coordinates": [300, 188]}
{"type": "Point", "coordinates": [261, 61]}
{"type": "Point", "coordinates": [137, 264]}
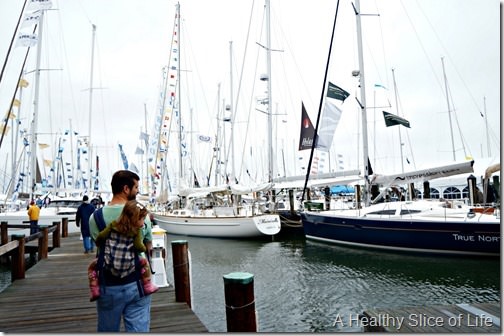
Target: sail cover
{"type": "Point", "coordinates": [425, 174]}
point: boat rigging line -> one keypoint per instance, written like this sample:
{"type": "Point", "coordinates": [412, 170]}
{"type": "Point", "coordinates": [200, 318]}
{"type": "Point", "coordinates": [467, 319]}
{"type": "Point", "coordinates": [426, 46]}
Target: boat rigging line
{"type": "Point", "coordinates": [315, 135]}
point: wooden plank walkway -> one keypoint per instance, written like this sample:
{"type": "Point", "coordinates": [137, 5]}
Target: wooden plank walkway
{"type": "Point", "coordinates": [54, 297]}
{"type": "Point", "coordinates": [458, 318]}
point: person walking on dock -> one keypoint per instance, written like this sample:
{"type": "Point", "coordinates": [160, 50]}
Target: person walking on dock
{"type": "Point", "coordinates": [33, 214]}
{"type": "Point", "coordinates": [84, 211]}
{"type": "Point", "coordinates": [120, 298]}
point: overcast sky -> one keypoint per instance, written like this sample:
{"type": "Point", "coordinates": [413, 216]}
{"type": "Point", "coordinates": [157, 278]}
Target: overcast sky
{"type": "Point", "coordinates": [133, 42]}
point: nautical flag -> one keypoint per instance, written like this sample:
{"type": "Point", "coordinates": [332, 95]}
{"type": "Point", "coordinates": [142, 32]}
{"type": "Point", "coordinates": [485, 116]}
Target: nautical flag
{"type": "Point", "coordinates": [380, 86]}
{"type": "Point", "coordinates": [196, 182]}
{"type": "Point", "coordinates": [16, 103]}
{"type": "Point", "coordinates": [369, 168]}
{"type": "Point", "coordinates": [204, 138]}
{"type": "Point", "coordinates": [23, 83]}
{"type": "Point", "coordinates": [307, 130]}
{"type": "Point", "coordinates": [4, 129]}
{"type": "Point", "coordinates": [30, 19]}
{"type": "Point", "coordinates": [139, 151]}
{"type": "Point", "coordinates": [331, 116]}
{"type": "Point", "coordinates": [123, 157]}
{"type": "Point", "coordinates": [145, 137]}
{"type": "Point", "coordinates": [133, 168]}
{"type": "Point", "coordinates": [39, 4]}
{"type": "Point", "coordinates": [26, 40]}
{"type": "Point", "coordinates": [43, 145]}
{"type": "Point", "coordinates": [335, 92]}
{"type": "Point", "coordinates": [10, 116]}
{"type": "Point", "coordinates": [392, 119]}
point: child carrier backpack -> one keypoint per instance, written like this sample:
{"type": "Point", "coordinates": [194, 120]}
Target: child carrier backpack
{"type": "Point", "coordinates": [115, 240]}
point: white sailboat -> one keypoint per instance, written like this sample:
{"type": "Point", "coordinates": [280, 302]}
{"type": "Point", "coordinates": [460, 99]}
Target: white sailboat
{"type": "Point", "coordinates": [427, 226]}
{"type": "Point", "coordinates": [224, 211]}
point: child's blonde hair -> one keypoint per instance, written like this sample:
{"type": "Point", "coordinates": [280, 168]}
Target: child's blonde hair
{"type": "Point", "coordinates": [132, 212]}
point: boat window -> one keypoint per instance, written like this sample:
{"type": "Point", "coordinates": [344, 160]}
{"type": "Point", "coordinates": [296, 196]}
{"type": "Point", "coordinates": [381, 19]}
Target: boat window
{"type": "Point", "coordinates": [389, 212]}
{"type": "Point", "coordinates": [65, 203]}
{"type": "Point", "coordinates": [434, 193]}
{"type": "Point", "coordinates": [465, 192]}
{"type": "Point", "coordinates": [452, 193]}
{"type": "Point", "coordinates": [409, 212]}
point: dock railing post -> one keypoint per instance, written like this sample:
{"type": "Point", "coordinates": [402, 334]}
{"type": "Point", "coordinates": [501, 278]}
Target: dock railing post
{"type": "Point", "coordinates": [43, 242]}
{"type": "Point", "coordinates": [4, 234]}
{"type": "Point", "coordinates": [182, 281]}
{"type": "Point", "coordinates": [56, 237]}
{"type": "Point", "coordinates": [64, 227]}
{"type": "Point", "coordinates": [18, 258]}
{"type": "Point", "coordinates": [240, 302]}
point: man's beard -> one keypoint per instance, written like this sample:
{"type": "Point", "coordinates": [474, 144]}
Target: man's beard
{"type": "Point", "coordinates": [131, 196]}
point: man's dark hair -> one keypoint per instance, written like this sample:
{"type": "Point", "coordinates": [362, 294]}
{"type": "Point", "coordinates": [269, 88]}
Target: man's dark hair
{"type": "Point", "coordinates": [123, 178]}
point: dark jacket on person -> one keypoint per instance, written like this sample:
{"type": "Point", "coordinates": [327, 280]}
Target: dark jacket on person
{"type": "Point", "coordinates": [84, 211]}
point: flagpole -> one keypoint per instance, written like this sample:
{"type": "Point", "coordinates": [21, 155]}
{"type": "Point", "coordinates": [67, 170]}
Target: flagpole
{"type": "Point", "coordinates": [315, 135]}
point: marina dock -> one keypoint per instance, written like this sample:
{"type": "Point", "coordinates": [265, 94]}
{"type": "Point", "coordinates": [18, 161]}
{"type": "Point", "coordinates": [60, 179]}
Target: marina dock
{"type": "Point", "coordinates": [456, 318]}
{"type": "Point", "coordinates": [54, 297]}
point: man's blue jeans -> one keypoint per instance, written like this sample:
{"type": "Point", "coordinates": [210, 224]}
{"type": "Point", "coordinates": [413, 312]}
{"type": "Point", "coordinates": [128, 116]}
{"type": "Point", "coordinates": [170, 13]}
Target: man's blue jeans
{"type": "Point", "coordinates": [123, 301]}
{"type": "Point", "coordinates": [88, 244]}
{"type": "Point", "coordinates": [34, 227]}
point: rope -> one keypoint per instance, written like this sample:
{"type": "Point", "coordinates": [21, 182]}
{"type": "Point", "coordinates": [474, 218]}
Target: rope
{"type": "Point", "coordinates": [241, 307]}
{"type": "Point", "coordinates": [179, 265]}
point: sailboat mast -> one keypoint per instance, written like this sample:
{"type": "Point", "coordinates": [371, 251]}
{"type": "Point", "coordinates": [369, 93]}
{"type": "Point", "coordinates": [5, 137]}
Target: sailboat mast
{"type": "Point", "coordinates": [232, 109]}
{"type": "Point", "coordinates": [363, 105]}
{"type": "Point", "coordinates": [399, 128]}
{"type": "Point", "coordinates": [486, 128]}
{"type": "Point", "coordinates": [33, 170]}
{"type": "Point", "coordinates": [90, 108]}
{"type": "Point", "coordinates": [449, 111]}
{"type": "Point", "coordinates": [270, 112]}
{"type": "Point", "coordinates": [179, 101]}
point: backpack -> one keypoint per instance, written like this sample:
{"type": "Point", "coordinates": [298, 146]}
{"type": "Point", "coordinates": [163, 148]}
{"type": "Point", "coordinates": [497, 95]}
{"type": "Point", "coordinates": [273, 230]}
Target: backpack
{"type": "Point", "coordinates": [122, 258]}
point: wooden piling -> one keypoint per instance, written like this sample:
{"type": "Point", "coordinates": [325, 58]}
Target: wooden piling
{"type": "Point", "coordinates": [64, 227]}
{"type": "Point", "coordinates": [18, 258]}
{"type": "Point", "coordinates": [4, 239]}
{"type": "Point", "coordinates": [181, 276]}
{"type": "Point", "coordinates": [57, 235]}
{"type": "Point", "coordinates": [4, 233]}
{"type": "Point", "coordinates": [43, 243]}
{"type": "Point", "coordinates": [240, 302]}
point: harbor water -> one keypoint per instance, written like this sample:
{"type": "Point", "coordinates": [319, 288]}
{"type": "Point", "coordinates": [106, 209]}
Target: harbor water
{"type": "Point", "coordinates": [305, 286]}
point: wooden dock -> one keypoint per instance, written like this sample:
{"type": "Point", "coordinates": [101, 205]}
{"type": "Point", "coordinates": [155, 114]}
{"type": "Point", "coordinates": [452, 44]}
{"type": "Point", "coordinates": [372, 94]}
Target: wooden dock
{"type": "Point", "coordinates": [458, 318]}
{"type": "Point", "coordinates": [53, 297]}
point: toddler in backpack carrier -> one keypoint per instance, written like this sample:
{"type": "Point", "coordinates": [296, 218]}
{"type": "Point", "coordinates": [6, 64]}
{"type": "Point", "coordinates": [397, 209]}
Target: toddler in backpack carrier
{"type": "Point", "coordinates": [122, 253]}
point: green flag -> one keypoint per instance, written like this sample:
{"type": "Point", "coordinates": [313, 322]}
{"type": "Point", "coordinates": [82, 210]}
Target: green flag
{"type": "Point", "coordinates": [336, 92]}
{"type": "Point", "coordinates": [392, 119]}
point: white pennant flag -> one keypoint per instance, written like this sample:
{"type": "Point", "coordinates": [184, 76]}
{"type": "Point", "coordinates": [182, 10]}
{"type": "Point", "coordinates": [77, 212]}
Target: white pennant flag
{"type": "Point", "coordinates": [26, 40]}
{"type": "Point", "coordinates": [40, 4]}
{"type": "Point", "coordinates": [30, 19]}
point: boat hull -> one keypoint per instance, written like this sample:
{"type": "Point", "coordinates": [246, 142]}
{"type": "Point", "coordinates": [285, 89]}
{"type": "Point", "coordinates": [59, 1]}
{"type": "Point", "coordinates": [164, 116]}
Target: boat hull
{"type": "Point", "coordinates": [219, 227]}
{"type": "Point", "coordinates": [445, 237]}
